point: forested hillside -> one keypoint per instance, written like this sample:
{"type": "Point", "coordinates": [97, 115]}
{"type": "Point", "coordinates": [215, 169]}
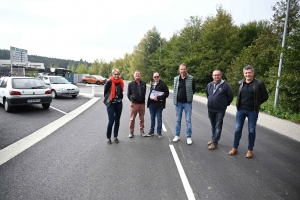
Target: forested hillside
{"type": "Point", "coordinates": [48, 62]}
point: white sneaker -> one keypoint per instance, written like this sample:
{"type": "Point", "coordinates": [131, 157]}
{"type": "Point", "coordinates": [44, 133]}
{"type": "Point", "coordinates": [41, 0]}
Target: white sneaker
{"type": "Point", "coordinates": [188, 141]}
{"type": "Point", "coordinates": [131, 135]}
{"type": "Point", "coordinates": [176, 138]}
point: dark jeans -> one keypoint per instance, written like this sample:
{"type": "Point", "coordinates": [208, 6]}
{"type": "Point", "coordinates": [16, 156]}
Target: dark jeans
{"type": "Point", "coordinates": [153, 113]}
{"type": "Point", "coordinates": [240, 119]}
{"type": "Point", "coordinates": [114, 114]}
{"type": "Point", "coordinates": [216, 121]}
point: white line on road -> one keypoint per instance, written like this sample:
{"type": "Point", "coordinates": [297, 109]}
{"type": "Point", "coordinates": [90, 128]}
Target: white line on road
{"type": "Point", "coordinates": [185, 181]}
{"type": "Point", "coordinates": [58, 110]}
{"type": "Point", "coordinates": [18, 147]}
{"type": "Point", "coordinates": [164, 128]}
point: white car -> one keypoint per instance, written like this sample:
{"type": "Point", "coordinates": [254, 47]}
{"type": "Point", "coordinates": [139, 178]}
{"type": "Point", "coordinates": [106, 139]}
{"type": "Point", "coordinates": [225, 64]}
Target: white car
{"type": "Point", "coordinates": [17, 91]}
{"type": "Point", "coordinates": [60, 86]}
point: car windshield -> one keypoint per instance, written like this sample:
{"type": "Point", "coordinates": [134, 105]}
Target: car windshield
{"type": "Point", "coordinates": [32, 83]}
{"type": "Point", "coordinates": [58, 80]}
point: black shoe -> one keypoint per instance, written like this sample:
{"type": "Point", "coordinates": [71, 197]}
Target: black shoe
{"type": "Point", "coordinates": [116, 140]}
{"type": "Point", "coordinates": [131, 135]}
{"type": "Point", "coordinates": [109, 141]}
{"type": "Point", "coordinates": [150, 133]}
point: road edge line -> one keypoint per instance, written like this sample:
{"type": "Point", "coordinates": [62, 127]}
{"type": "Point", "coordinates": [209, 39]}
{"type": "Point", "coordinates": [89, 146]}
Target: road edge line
{"type": "Point", "coordinates": [185, 181]}
{"type": "Point", "coordinates": [21, 145]}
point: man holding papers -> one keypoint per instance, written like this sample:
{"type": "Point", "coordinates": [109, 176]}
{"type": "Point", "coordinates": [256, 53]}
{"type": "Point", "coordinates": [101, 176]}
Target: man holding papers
{"type": "Point", "coordinates": [159, 91]}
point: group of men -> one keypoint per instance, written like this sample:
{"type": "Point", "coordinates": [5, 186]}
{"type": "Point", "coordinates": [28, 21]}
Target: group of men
{"type": "Point", "coordinates": [251, 94]}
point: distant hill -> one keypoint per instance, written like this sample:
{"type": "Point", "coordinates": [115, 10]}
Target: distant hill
{"type": "Point", "coordinates": [48, 62]}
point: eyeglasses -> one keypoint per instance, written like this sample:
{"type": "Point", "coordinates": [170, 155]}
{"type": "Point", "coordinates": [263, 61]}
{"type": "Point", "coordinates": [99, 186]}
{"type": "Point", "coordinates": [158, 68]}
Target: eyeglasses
{"type": "Point", "coordinates": [116, 74]}
{"type": "Point", "coordinates": [155, 76]}
{"type": "Point", "coordinates": [217, 75]}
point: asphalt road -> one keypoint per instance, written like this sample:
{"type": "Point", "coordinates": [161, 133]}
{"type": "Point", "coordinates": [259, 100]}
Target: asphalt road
{"type": "Point", "coordinates": [73, 160]}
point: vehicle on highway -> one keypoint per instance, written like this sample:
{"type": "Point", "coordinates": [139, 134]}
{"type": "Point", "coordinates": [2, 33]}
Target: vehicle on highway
{"type": "Point", "coordinates": [101, 77]}
{"type": "Point", "coordinates": [17, 91]}
{"type": "Point", "coordinates": [97, 79]}
{"type": "Point", "coordinates": [60, 86]}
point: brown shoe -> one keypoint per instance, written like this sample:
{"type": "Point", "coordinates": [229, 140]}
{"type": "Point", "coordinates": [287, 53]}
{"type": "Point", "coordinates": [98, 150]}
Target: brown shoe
{"type": "Point", "coordinates": [209, 143]}
{"type": "Point", "coordinates": [233, 151]}
{"type": "Point", "coordinates": [249, 154]}
{"type": "Point", "coordinates": [212, 146]}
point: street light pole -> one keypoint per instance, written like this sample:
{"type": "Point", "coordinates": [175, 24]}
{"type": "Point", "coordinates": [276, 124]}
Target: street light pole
{"type": "Point", "coordinates": [281, 54]}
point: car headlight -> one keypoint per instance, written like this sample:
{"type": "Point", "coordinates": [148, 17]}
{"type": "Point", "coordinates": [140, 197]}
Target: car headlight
{"type": "Point", "coordinates": [60, 89]}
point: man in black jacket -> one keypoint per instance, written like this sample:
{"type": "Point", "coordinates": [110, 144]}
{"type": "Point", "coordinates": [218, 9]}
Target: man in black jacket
{"type": "Point", "coordinates": [252, 93]}
{"type": "Point", "coordinates": [136, 94]}
{"type": "Point", "coordinates": [219, 96]}
{"type": "Point", "coordinates": [159, 91]}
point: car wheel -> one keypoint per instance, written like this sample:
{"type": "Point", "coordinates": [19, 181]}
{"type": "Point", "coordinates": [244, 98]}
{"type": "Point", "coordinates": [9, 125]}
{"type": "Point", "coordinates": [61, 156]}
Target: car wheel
{"type": "Point", "coordinates": [84, 82]}
{"type": "Point", "coordinates": [7, 107]}
{"type": "Point", "coordinates": [98, 82]}
{"type": "Point", "coordinates": [46, 105]}
{"type": "Point", "coordinates": [53, 93]}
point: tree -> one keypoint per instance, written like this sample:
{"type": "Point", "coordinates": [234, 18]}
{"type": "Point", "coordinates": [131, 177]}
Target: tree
{"type": "Point", "coordinates": [119, 64]}
{"type": "Point", "coordinates": [219, 44]}
{"type": "Point", "coordinates": [95, 68]}
{"type": "Point", "coordinates": [250, 31]}
{"type": "Point", "coordinates": [126, 67]}
{"type": "Point", "coordinates": [81, 69]}
{"type": "Point", "coordinates": [261, 55]}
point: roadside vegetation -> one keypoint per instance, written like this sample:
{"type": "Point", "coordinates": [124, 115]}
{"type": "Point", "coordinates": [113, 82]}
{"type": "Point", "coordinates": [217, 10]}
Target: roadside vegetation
{"type": "Point", "coordinates": [268, 107]}
{"type": "Point", "coordinates": [216, 42]}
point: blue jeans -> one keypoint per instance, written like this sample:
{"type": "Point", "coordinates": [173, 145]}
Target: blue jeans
{"type": "Point", "coordinates": [216, 121]}
{"type": "Point", "coordinates": [187, 107]}
{"type": "Point", "coordinates": [114, 112]}
{"type": "Point", "coordinates": [239, 123]}
{"type": "Point", "coordinates": [153, 113]}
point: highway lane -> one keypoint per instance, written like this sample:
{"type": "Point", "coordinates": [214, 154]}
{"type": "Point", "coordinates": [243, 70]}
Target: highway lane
{"type": "Point", "coordinates": [75, 162]}
{"type": "Point", "coordinates": [25, 120]}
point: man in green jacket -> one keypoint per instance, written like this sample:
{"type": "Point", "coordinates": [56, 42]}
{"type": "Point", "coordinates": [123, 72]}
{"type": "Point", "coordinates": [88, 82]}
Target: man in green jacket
{"type": "Point", "coordinates": [184, 89]}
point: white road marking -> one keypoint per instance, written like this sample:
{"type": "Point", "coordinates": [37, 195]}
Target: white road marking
{"type": "Point", "coordinates": [18, 147]}
{"type": "Point", "coordinates": [185, 182]}
{"type": "Point", "coordinates": [164, 128]}
{"type": "Point", "coordinates": [59, 110]}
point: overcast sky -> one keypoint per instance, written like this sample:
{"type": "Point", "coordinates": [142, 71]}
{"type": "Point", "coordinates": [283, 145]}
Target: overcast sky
{"type": "Point", "coordinates": [106, 29]}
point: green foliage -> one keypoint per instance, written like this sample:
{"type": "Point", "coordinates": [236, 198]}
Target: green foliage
{"type": "Point", "coordinates": [219, 44]}
{"type": "Point", "coordinates": [280, 111]}
{"type": "Point", "coordinates": [95, 68]}
{"type": "Point", "coordinates": [126, 67]}
{"type": "Point", "coordinates": [82, 69]}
